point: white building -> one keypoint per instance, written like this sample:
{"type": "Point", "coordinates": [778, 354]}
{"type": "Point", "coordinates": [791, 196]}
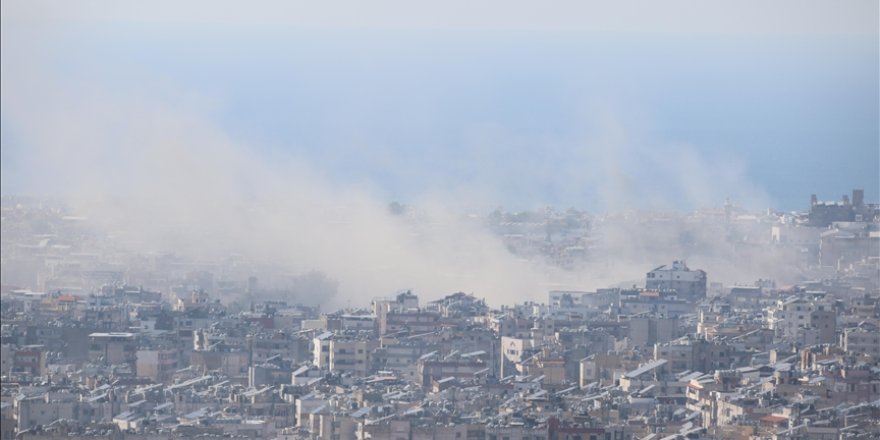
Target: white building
{"type": "Point", "coordinates": [688, 284]}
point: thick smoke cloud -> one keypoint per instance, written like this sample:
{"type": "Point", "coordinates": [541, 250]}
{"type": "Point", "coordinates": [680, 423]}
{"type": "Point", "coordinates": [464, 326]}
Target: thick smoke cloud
{"type": "Point", "coordinates": [164, 178]}
{"type": "Point", "coordinates": [146, 161]}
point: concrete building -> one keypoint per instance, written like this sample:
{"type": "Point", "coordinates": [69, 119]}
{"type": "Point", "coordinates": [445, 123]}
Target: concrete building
{"type": "Point", "coordinates": [689, 285]}
{"type": "Point", "coordinates": [404, 302]}
{"type": "Point", "coordinates": [661, 304]}
{"type": "Point", "coordinates": [157, 363]}
{"type": "Point", "coordinates": [688, 354]}
{"type": "Point", "coordinates": [113, 348]}
{"type": "Point", "coordinates": [6, 357]}
{"type": "Point", "coordinates": [794, 317]}
{"type": "Point", "coordinates": [45, 408]}
{"type": "Point", "coordinates": [29, 359]}
{"type": "Point", "coordinates": [824, 214]}
{"type": "Point", "coordinates": [862, 340]}
{"type": "Point", "coordinates": [647, 331]}
{"type": "Point", "coordinates": [846, 243]}
{"type": "Point", "coordinates": [352, 356]}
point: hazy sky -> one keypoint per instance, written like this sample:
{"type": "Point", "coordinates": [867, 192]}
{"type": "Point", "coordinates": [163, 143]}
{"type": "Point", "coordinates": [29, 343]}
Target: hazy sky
{"type": "Point", "coordinates": [589, 104]}
{"type": "Point", "coordinates": [280, 130]}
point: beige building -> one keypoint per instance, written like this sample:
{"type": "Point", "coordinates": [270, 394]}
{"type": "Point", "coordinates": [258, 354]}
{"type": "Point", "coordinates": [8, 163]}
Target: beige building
{"type": "Point", "coordinates": [157, 363]}
{"type": "Point", "coordinates": [351, 356]}
{"type": "Point", "coordinates": [862, 340]}
{"type": "Point", "coordinates": [792, 316]}
{"type": "Point", "coordinates": [113, 348]}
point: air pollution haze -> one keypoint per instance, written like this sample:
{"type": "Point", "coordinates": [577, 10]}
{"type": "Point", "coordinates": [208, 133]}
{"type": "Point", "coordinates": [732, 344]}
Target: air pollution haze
{"type": "Point", "coordinates": [163, 178]}
{"type": "Point", "coordinates": [151, 160]}
{"type": "Point", "coordinates": [493, 219]}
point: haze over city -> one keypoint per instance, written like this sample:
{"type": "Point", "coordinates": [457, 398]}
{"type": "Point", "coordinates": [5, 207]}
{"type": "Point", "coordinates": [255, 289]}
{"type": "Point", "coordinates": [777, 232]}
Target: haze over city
{"type": "Point", "coordinates": [317, 170]}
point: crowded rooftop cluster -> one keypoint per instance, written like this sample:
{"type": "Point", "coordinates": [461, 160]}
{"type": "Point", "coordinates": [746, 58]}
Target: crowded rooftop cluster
{"type": "Point", "coordinates": [102, 342]}
{"type": "Point", "coordinates": [451, 220]}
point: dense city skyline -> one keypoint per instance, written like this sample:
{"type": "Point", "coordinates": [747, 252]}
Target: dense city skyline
{"type": "Point", "coordinates": [456, 220]}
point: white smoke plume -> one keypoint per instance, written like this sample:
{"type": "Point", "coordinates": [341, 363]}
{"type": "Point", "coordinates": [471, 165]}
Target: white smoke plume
{"type": "Point", "coordinates": [148, 162]}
